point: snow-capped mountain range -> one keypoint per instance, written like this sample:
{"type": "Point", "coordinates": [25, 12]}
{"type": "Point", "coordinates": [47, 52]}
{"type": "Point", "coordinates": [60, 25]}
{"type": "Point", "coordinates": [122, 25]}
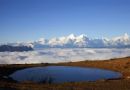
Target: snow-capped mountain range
{"type": "Point", "coordinates": [81, 41]}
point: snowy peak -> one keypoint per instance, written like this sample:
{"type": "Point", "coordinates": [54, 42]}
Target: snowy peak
{"type": "Point", "coordinates": [82, 36]}
{"type": "Point", "coordinates": [81, 41]}
{"type": "Point", "coordinates": [71, 36]}
{"type": "Point", "coordinates": [126, 36]}
{"type": "Point", "coordinates": [123, 38]}
{"type": "Point", "coordinates": [42, 41]}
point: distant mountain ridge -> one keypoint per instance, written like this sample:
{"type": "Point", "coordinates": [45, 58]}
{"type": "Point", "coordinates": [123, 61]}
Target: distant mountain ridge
{"type": "Point", "coordinates": [9, 48]}
{"type": "Point", "coordinates": [81, 41]}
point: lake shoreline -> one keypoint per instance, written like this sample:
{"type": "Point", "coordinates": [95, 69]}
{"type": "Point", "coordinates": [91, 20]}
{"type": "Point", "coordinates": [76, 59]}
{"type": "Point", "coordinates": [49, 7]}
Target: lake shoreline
{"type": "Point", "coordinates": [121, 65]}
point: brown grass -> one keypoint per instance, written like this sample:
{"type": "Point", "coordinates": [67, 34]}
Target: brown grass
{"type": "Point", "coordinates": [121, 65]}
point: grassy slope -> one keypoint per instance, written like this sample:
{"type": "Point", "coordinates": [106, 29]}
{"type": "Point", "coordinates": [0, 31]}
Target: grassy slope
{"type": "Point", "coordinates": [122, 65]}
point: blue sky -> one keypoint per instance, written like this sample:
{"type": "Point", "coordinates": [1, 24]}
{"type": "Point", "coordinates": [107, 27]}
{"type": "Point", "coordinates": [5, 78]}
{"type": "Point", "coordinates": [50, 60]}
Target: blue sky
{"type": "Point", "coordinates": [25, 20]}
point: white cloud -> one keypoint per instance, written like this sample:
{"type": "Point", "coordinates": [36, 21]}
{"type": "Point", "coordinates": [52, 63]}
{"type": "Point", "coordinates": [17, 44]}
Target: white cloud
{"type": "Point", "coordinates": [55, 55]}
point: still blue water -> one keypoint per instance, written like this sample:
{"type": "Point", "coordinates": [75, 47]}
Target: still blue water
{"type": "Point", "coordinates": [60, 74]}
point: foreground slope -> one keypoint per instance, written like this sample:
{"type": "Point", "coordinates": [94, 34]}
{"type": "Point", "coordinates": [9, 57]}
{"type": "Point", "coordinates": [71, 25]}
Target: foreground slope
{"type": "Point", "coordinates": [122, 65]}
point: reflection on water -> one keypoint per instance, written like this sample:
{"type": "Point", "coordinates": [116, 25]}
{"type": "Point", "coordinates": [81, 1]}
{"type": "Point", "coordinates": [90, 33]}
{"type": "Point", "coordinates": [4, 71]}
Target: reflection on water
{"type": "Point", "coordinates": [60, 74]}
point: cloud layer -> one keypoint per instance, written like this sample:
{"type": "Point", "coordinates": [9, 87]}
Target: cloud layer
{"type": "Point", "coordinates": [56, 55]}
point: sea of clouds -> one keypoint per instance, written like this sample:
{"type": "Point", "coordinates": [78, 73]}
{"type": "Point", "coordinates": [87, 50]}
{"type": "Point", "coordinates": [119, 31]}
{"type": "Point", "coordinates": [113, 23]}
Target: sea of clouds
{"type": "Point", "coordinates": [56, 55]}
